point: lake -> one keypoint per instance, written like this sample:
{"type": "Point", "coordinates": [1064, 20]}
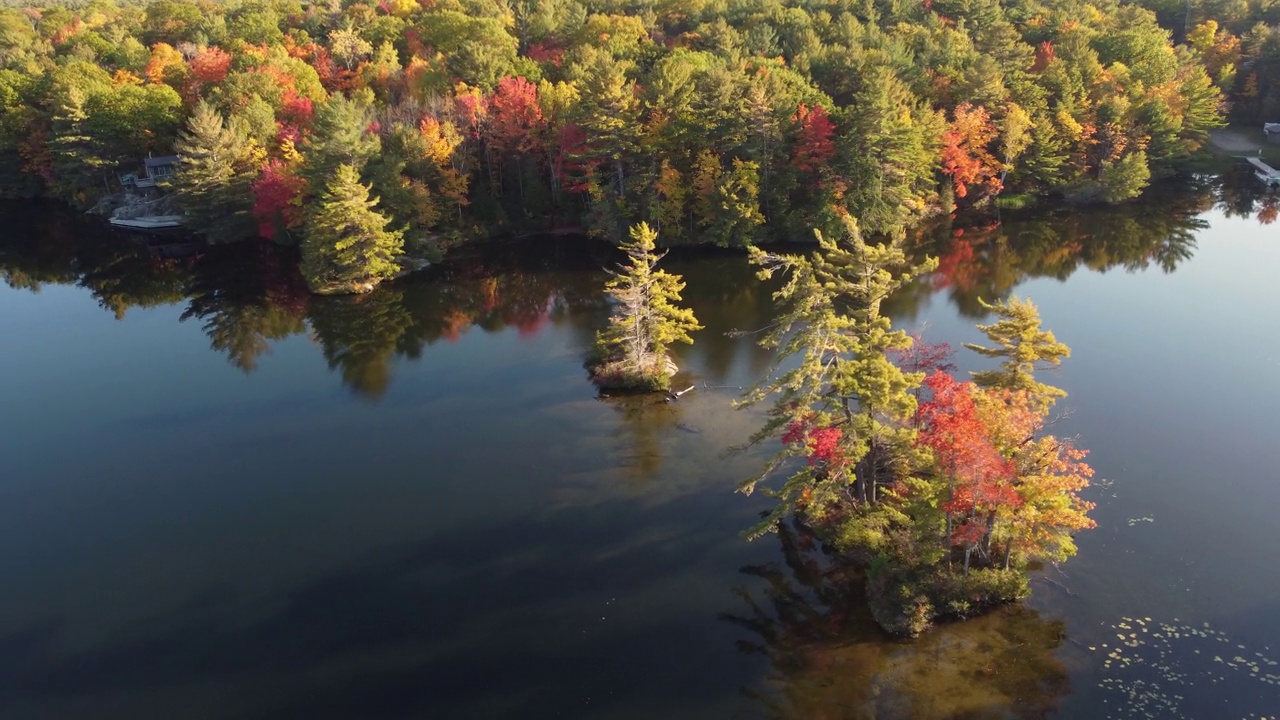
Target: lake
{"type": "Point", "coordinates": [224, 498]}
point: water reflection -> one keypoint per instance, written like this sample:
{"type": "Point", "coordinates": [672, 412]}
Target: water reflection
{"type": "Point", "coordinates": [990, 259]}
{"type": "Point", "coordinates": [496, 522]}
{"type": "Point", "coordinates": [828, 659]}
{"type": "Point", "coordinates": [47, 245]}
{"type": "Point", "coordinates": [248, 297]}
{"type": "Point", "coordinates": [247, 300]}
{"type": "Point", "coordinates": [1241, 195]}
{"type": "Point", "coordinates": [645, 421]}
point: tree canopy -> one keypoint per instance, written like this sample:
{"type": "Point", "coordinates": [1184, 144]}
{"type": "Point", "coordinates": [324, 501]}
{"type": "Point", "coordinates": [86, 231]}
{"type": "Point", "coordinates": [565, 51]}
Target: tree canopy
{"type": "Point", "coordinates": [732, 124]}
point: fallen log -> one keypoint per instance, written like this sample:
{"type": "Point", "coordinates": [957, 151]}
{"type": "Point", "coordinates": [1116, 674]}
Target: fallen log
{"type": "Point", "coordinates": [676, 395]}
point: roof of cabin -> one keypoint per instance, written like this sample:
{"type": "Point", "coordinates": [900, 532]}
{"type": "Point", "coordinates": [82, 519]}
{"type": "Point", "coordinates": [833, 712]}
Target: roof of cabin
{"type": "Point", "coordinates": [164, 160]}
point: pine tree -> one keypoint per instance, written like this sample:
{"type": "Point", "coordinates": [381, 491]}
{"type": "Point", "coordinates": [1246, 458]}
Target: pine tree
{"type": "Point", "coordinates": [1024, 346]}
{"type": "Point", "coordinates": [341, 136]}
{"type": "Point", "coordinates": [609, 114]}
{"type": "Point", "coordinates": [78, 165]}
{"type": "Point", "coordinates": [736, 200]}
{"type": "Point", "coordinates": [890, 153]}
{"type": "Point", "coordinates": [633, 351]}
{"type": "Point", "coordinates": [347, 247]}
{"type": "Point", "coordinates": [843, 405]}
{"type": "Point", "coordinates": [216, 169]}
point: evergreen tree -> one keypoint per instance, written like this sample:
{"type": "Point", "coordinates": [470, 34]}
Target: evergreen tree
{"type": "Point", "coordinates": [347, 247]}
{"type": "Point", "coordinates": [341, 136]}
{"type": "Point", "coordinates": [736, 217]}
{"type": "Point", "coordinates": [1024, 347]}
{"type": "Point", "coordinates": [79, 170]}
{"type": "Point", "coordinates": [1125, 178]}
{"type": "Point", "coordinates": [632, 352]}
{"type": "Point", "coordinates": [843, 404]}
{"type": "Point", "coordinates": [216, 169]}
{"type": "Point", "coordinates": [610, 118]}
{"type": "Point", "coordinates": [891, 153]}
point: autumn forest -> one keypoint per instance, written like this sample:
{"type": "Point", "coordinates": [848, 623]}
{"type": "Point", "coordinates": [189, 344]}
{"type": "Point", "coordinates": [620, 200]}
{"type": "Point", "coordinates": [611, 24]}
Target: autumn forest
{"type": "Point", "coordinates": [734, 123]}
{"type": "Point", "coordinates": [371, 139]}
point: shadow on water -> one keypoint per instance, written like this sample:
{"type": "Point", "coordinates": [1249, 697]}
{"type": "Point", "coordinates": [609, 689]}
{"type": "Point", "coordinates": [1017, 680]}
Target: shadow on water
{"type": "Point", "coordinates": [828, 659]}
{"type": "Point", "coordinates": [644, 422]}
{"type": "Point", "coordinates": [393, 635]}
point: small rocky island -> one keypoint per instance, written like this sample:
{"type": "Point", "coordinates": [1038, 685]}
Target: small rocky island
{"type": "Point", "coordinates": [632, 352]}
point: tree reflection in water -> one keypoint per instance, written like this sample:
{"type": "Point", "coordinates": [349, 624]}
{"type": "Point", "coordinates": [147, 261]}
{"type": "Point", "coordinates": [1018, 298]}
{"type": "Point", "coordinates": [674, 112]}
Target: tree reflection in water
{"type": "Point", "coordinates": [646, 422]}
{"type": "Point", "coordinates": [1241, 195]}
{"type": "Point", "coordinates": [989, 260]}
{"type": "Point", "coordinates": [247, 300]}
{"type": "Point", "coordinates": [249, 296]}
{"type": "Point", "coordinates": [828, 659]}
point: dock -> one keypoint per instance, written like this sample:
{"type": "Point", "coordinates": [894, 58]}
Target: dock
{"type": "Point", "coordinates": [149, 222]}
{"type": "Point", "coordinates": [1267, 174]}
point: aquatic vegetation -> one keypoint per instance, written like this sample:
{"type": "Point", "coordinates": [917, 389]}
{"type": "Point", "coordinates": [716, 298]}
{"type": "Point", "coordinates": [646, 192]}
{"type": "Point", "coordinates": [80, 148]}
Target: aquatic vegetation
{"type": "Point", "coordinates": [1155, 668]}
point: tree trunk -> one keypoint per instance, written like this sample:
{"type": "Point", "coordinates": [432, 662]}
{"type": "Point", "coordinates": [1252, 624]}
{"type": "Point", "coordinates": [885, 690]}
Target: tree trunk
{"type": "Point", "coordinates": [986, 540]}
{"type": "Point", "coordinates": [875, 473]}
{"type": "Point", "coordinates": [520, 180]}
{"type": "Point", "coordinates": [951, 492]}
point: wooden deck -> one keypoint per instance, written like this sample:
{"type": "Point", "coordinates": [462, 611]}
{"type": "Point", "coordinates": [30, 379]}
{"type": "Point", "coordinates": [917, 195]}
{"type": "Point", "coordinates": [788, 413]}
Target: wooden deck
{"type": "Point", "coordinates": [1267, 174]}
{"type": "Point", "coordinates": [151, 222]}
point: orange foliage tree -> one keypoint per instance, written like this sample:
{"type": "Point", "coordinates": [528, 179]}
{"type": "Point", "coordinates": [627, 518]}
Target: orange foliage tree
{"type": "Point", "coordinates": [966, 153]}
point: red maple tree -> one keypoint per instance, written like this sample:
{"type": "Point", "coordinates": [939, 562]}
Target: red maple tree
{"type": "Point", "coordinates": [814, 144]}
{"type": "Point", "coordinates": [276, 199]}
{"type": "Point", "coordinates": [514, 115]}
{"type": "Point", "coordinates": [966, 156]}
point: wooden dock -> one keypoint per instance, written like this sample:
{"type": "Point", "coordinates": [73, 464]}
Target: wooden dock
{"type": "Point", "coordinates": [1267, 174]}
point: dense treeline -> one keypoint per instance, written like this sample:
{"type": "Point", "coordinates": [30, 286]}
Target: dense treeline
{"type": "Point", "coordinates": [1239, 44]}
{"type": "Point", "coordinates": [716, 122]}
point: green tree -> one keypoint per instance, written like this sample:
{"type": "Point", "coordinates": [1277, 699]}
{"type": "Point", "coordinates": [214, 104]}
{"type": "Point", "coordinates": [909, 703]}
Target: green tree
{"type": "Point", "coordinates": [633, 351]}
{"type": "Point", "coordinates": [609, 114]}
{"type": "Point", "coordinates": [1024, 347]}
{"type": "Point", "coordinates": [841, 403]}
{"type": "Point", "coordinates": [1125, 178]}
{"type": "Point", "coordinates": [341, 136]}
{"type": "Point", "coordinates": [79, 168]}
{"type": "Point", "coordinates": [347, 247]}
{"type": "Point", "coordinates": [735, 217]}
{"type": "Point", "coordinates": [216, 167]}
{"type": "Point", "coordinates": [891, 151]}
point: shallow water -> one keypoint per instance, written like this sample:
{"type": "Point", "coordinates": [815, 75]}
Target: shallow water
{"type": "Point", "coordinates": [223, 498]}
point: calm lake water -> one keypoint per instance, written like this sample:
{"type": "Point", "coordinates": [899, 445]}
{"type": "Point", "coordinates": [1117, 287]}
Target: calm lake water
{"type": "Point", "coordinates": [222, 498]}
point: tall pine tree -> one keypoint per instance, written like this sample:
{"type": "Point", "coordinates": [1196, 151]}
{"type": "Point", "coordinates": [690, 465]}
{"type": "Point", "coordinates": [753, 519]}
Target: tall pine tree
{"type": "Point", "coordinates": [217, 165]}
{"type": "Point", "coordinates": [1023, 347]}
{"type": "Point", "coordinates": [842, 403]}
{"type": "Point", "coordinates": [633, 351]}
{"type": "Point", "coordinates": [79, 169]}
{"type": "Point", "coordinates": [347, 246]}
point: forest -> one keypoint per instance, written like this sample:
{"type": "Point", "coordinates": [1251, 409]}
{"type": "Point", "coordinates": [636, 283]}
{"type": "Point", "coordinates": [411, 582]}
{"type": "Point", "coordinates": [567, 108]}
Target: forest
{"type": "Point", "coordinates": [372, 136]}
{"type": "Point", "coordinates": [368, 132]}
